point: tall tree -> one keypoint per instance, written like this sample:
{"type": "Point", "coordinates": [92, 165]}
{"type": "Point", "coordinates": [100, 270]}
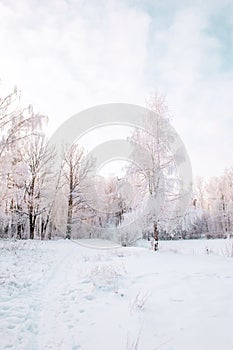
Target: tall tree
{"type": "Point", "coordinates": [158, 172]}
{"type": "Point", "coordinates": [38, 159]}
{"type": "Point", "coordinates": [76, 169]}
{"type": "Point", "coordinates": [17, 124]}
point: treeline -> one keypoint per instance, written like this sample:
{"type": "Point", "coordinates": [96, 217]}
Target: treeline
{"type": "Point", "coordinates": [212, 208]}
{"type": "Point", "coordinates": [43, 201]}
{"type": "Point", "coordinates": [32, 204]}
{"type": "Point", "coordinates": [40, 200]}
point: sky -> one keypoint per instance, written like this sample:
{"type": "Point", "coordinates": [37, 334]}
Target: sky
{"type": "Point", "coordinates": [66, 56]}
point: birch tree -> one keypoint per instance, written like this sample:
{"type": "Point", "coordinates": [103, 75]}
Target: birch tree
{"type": "Point", "coordinates": [158, 171]}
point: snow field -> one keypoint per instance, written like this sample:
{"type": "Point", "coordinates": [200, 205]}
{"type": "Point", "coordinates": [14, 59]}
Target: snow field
{"type": "Point", "coordinates": [60, 295]}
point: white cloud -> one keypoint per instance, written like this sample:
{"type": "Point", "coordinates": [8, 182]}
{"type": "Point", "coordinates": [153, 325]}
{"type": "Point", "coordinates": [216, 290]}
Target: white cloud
{"type": "Point", "coordinates": [189, 71]}
{"type": "Point", "coordinates": [64, 61]}
{"type": "Point", "coordinates": [67, 56]}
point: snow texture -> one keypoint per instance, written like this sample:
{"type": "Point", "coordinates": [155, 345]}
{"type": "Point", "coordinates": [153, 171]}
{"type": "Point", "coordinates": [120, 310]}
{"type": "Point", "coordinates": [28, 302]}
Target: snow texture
{"type": "Point", "coordinates": [59, 295]}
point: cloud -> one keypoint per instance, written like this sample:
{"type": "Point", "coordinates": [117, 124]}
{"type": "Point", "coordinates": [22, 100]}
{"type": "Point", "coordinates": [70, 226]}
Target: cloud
{"type": "Point", "coordinates": [67, 56]}
{"type": "Point", "coordinates": [189, 70]}
{"type": "Point", "coordinates": [65, 61]}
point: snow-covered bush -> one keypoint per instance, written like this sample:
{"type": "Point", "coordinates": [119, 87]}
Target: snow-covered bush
{"type": "Point", "coordinates": [106, 276]}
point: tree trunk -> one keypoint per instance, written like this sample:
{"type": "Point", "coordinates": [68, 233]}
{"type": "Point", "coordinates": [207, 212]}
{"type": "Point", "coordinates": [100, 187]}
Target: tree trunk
{"type": "Point", "coordinates": [43, 227]}
{"type": "Point", "coordinates": [156, 237]}
{"type": "Point", "coordinates": [69, 217]}
{"type": "Point", "coordinates": [42, 230]}
{"type": "Point", "coordinates": [70, 205]}
{"type": "Point", "coordinates": [31, 225]}
{"type": "Point", "coordinates": [50, 229]}
{"type": "Point", "coordinates": [19, 231]}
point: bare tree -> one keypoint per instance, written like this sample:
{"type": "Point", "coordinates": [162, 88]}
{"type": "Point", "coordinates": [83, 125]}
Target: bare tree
{"type": "Point", "coordinates": [16, 125]}
{"type": "Point", "coordinates": [76, 169]}
{"type": "Point", "coordinates": [38, 159]}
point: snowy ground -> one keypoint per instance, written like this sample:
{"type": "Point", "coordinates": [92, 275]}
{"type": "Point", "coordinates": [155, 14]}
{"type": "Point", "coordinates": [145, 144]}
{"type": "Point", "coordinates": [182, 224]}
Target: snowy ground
{"type": "Point", "coordinates": [61, 295]}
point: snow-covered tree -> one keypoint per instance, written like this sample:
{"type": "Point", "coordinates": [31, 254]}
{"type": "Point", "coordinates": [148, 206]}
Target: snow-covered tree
{"type": "Point", "coordinates": [76, 169]}
{"type": "Point", "coordinates": [215, 198]}
{"type": "Point", "coordinates": [38, 160]}
{"type": "Point", "coordinates": [17, 125]}
{"type": "Point", "coordinates": [157, 171]}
